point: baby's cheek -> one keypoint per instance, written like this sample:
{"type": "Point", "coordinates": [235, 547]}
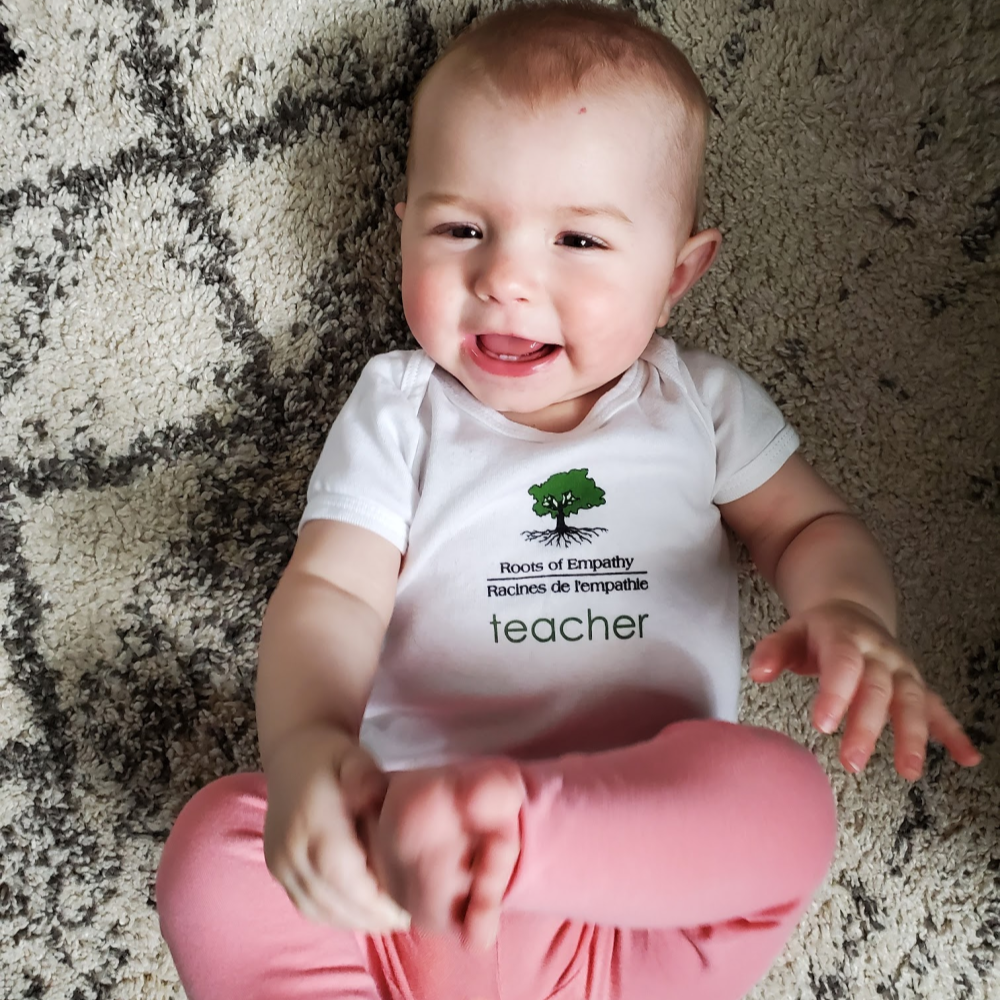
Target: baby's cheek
{"type": "Point", "coordinates": [428, 300]}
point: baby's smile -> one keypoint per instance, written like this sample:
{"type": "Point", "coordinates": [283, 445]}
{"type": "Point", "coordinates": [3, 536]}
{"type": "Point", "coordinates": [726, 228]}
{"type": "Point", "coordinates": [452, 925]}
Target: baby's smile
{"type": "Point", "coordinates": [507, 354]}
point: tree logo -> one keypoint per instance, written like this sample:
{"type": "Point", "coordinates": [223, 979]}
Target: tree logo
{"type": "Point", "coordinates": [561, 496]}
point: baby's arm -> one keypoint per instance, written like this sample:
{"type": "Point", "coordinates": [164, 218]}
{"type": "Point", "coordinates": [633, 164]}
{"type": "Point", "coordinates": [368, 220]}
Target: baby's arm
{"type": "Point", "coordinates": [319, 649]}
{"type": "Point", "coordinates": [323, 631]}
{"type": "Point", "coordinates": [838, 590]}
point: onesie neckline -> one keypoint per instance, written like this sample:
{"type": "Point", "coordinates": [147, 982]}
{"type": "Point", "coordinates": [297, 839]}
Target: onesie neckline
{"type": "Point", "coordinates": [623, 392]}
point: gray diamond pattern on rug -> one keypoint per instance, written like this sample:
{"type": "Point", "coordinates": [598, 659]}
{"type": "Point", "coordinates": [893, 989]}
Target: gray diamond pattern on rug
{"type": "Point", "coordinates": [198, 255]}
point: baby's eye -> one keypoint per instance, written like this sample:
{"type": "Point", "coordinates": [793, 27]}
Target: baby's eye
{"type": "Point", "coordinates": [579, 241]}
{"type": "Point", "coordinates": [462, 231]}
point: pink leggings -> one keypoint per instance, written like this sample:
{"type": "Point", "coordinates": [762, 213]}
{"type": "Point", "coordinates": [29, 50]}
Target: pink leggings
{"type": "Point", "coordinates": [674, 869]}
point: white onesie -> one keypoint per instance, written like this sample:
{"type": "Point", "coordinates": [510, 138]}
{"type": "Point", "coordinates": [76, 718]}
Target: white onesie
{"type": "Point", "coordinates": [572, 591]}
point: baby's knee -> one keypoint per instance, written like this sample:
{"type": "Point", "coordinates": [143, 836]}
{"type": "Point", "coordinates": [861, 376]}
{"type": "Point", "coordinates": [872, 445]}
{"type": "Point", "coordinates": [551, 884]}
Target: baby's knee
{"type": "Point", "coordinates": [225, 815]}
{"type": "Point", "coordinates": [781, 782]}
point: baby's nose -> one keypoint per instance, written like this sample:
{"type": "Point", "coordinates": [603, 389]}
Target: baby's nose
{"type": "Point", "coordinates": [504, 277]}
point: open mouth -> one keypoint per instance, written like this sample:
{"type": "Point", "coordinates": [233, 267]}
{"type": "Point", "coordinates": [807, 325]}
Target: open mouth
{"type": "Point", "coordinates": [502, 355]}
{"type": "Point", "coordinates": [504, 347]}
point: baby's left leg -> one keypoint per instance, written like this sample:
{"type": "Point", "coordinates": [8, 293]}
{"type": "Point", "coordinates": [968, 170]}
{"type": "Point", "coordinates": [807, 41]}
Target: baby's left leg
{"type": "Point", "coordinates": [705, 823]}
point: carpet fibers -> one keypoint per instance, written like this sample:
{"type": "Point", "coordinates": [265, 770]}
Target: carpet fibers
{"type": "Point", "coordinates": [197, 256]}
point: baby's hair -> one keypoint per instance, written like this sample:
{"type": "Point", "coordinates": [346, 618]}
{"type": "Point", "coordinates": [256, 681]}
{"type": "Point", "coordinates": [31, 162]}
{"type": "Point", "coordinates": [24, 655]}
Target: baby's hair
{"type": "Point", "coordinates": [537, 52]}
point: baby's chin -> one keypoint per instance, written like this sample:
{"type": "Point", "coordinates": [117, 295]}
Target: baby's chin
{"type": "Point", "coordinates": [534, 401]}
{"type": "Point", "coordinates": [507, 396]}
{"type": "Point", "coordinates": [523, 406]}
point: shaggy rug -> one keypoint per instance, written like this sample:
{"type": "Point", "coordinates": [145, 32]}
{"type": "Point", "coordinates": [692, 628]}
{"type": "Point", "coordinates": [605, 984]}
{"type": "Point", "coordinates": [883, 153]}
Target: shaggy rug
{"type": "Point", "coordinates": [198, 254]}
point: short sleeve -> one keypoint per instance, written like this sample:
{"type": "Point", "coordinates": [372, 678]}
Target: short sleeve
{"type": "Point", "coordinates": [752, 438]}
{"type": "Point", "coordinates": [365, 474]}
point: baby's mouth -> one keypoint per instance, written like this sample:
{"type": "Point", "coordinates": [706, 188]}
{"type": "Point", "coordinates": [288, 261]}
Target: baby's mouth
{"type": "Point", "coordinates": [506, 347]}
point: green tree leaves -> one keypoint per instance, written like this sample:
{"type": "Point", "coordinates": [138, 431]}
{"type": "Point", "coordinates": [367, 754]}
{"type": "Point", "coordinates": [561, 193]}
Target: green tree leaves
{"type": "Point", "coordinates": [566, 493]}
{"type": "Point", "coordinates": [561, 496]}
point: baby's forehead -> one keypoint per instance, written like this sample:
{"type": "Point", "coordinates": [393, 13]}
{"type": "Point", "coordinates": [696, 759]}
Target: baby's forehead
{"type": "Point", "coordinates": [450, 84]}
{"type": "Point", "coordinates": [658, 123]}
{"type": "Point", "coordinates": [664, 132]}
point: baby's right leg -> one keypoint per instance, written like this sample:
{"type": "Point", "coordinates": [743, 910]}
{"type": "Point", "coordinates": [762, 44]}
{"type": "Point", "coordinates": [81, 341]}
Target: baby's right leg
{"type": "Point", "coordinates": [231, 929]}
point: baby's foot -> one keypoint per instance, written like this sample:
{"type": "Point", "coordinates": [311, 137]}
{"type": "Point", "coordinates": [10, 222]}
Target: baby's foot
{"type": "Point", "coordinates": [446, 843]}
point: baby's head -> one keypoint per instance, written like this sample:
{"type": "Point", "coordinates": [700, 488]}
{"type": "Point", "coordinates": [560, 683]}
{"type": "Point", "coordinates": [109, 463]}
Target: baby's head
{"type": "Point", "coordinates": [553, 199]}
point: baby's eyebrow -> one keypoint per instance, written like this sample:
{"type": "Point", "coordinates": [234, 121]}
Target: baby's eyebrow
{"type": "Point", "coordinates": [433, 199]}
{"type": "Point", "coordinates": [588, 212]}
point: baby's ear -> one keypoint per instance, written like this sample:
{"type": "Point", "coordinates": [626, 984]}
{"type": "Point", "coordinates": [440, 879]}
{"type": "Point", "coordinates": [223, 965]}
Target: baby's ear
{"type": "Point", "coordinates": [694, 259]}
{"type": "Point", "coordinates": [400, 209]}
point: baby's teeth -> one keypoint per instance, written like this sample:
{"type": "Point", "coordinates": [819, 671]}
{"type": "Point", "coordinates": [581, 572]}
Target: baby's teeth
{"type": "Point", "coordinates": [507, 357]}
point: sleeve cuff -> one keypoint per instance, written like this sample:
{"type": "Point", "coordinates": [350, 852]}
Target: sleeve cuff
{"type": "Point", "coordinates": [760, 470]}
{"type": "Point", "coordinates": [337, 507]}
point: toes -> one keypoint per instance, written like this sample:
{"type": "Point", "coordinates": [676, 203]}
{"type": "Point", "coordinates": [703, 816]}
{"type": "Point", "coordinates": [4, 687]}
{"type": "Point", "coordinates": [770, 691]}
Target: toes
{"type": "Point", "coordinates": [426, 816]}
{"type": "Point", "coordinates": [494, 798]}
{"type": "Point", "coordinates": [454, 839]}
{"type": "Point", "coordinates": [494, 865]}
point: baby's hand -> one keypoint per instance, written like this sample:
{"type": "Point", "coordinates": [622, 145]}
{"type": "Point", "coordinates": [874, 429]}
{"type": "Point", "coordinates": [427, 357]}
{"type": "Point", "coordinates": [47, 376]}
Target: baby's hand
{"type": "Point", "coordinates": [863, 671]}
{"type": "Point", "coordinates": [320, 786]}
{"type": "Point", "coordinates": [446, 843]}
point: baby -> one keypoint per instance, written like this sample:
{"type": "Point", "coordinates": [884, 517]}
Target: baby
{"type": "Point", "coordinates": [498, 682]}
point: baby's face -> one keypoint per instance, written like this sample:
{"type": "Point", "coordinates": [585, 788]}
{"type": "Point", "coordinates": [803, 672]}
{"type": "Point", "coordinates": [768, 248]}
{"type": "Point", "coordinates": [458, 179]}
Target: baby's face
{"type": "Point", "coordinates": [538, 248]}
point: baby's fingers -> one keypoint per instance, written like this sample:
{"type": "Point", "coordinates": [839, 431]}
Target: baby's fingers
{"type": "Point", "coordinates": [314, 900]}
{"type": "Point", "coordinates": [909, 724]}
{"type": "Point", "coordinates": [345, 888]}
{"type": "Point", "coordinates": [841, 667]}
{"type": "Point", "coordinates": [782, 650]}
{"type": "Point", "coordinates": [948, 731]}
{"type": "Point", "coordinates": [868, 715]}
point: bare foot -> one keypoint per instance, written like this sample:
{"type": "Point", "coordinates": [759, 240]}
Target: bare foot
{"type": "Point", "coordinates": [446, 843]}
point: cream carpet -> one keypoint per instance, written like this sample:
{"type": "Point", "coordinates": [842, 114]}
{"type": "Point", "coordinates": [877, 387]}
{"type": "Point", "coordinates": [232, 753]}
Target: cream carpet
{"type": "Point", "coordinates": [198, 254]}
